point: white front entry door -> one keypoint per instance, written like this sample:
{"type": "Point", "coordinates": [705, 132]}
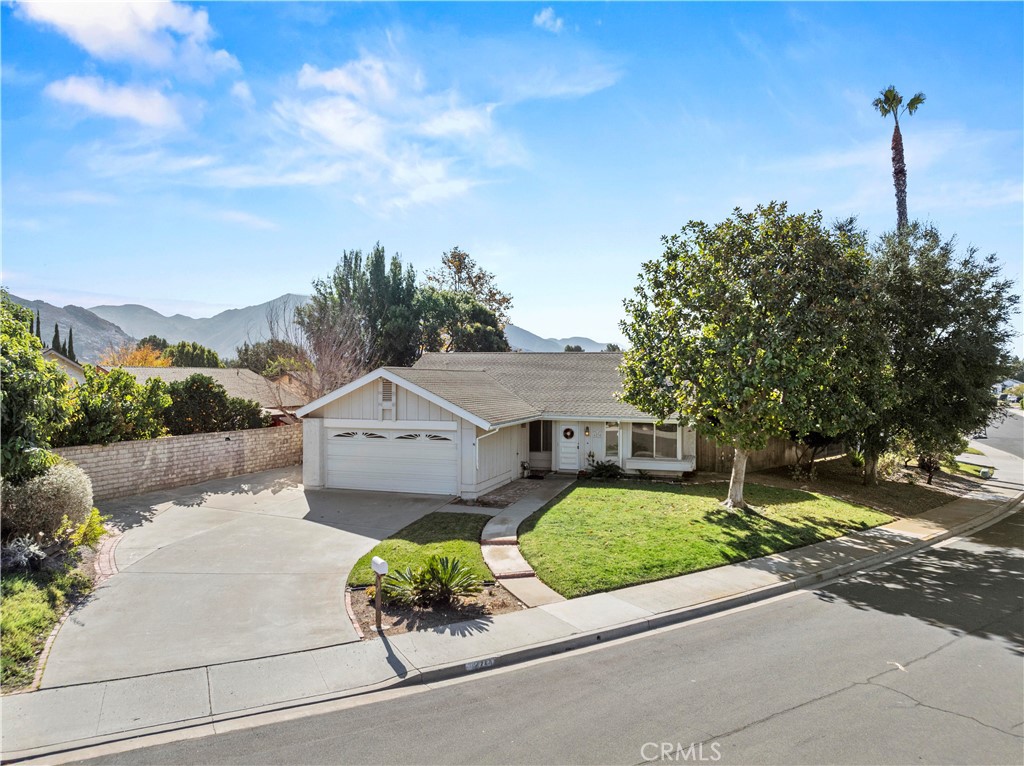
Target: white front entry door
{"type": "Point", "coordinates": [568, 436]}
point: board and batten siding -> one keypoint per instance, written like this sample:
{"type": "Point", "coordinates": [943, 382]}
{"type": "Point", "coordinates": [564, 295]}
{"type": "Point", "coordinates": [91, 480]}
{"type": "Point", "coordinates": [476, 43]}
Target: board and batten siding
{"type": "Point", "coordinates": [365, 404]}
{"type": "Point", "coordinates": [499, 458]}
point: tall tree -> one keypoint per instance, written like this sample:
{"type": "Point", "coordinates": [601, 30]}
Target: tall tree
{"type": "Point", "coordinates": [373, 300]}
{"type": "Point", "coordinates": [889, 101]}
{"type": "Point", "coordinates": [458, 322]}
{"type": "Point", "coordinates": [191, 354]}
{"type": "Point", "coordinates": [130, 355]}
{"type": "Point", "coordinates": [460, 273]}
{"type": "Point", "coordinates": [155, 342]}
{"type": "Point", "coordinates": [39, 326]}
{"type": "Point", "coordinates": [944, 320]}
{"type": "Point", "coordinates": [55, 343]}
{"type": "Point", "coordinates": [573, 349]}
{"type": "Point", "coordinates": [741, 330]}
{"type": "Point", "coordinates": [71, 345]}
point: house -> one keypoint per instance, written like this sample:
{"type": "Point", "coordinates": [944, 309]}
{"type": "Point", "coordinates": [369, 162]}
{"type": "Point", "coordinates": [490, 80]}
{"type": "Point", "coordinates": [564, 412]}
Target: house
{"type": "Point", "coordinates": [276, 400]}
{"type": "Point", "coordinates": [466, 423]}
{"type": "Point", "coordinates": [74, 370]}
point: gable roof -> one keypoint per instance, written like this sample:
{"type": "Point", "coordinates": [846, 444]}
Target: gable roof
{"type": "Point", "coordinates": [55, 356]}
{"type": "Point", "coordinates": [580, 385]}
{"type": "Point", "coordinates": [238, 382]}
{"type": "Point", "coordinates": [474, 391]}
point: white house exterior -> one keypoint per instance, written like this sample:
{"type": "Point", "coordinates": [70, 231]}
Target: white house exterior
{"type": "Point", "coordinates": [466, 423]}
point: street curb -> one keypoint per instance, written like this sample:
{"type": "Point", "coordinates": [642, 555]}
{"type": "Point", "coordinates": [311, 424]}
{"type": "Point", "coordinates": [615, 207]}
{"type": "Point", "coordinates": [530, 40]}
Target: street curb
{"type": "Point", "coordinates": [466, 667]}
{"type": "Point", "coordinates": [675, 617]}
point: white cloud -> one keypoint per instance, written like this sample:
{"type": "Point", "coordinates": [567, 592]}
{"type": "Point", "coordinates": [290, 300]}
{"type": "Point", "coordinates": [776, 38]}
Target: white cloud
{"type": "Point", "coordinates": [85, 197]}
{"type": "Point", "coordinates": [245, 219]}
{"type": "Point", "coordinates": [241, 91]}
{"type": "Point", "coordinates": [162, 35]}
{"type": "Point", "coordinates": [143, 105]}
{"type": "Point", "coordinates": [547, 20]}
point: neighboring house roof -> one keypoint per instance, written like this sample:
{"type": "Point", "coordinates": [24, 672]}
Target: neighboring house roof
{"type": "Point", "coordinates": [238, 382]}
{"type": "Point", "coordinates": [55, 356]}
{"type": "Point", "coordinates": [501, 388]}
{"type": "Point", "coordinates": [571, 384]}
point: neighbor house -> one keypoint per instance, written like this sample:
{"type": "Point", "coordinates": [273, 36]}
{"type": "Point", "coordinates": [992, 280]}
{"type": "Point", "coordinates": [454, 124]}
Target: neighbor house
{"type": "Point", "coordinates": [73, 369]}
{"type": "Point", "coordinates": [466, 423]}
{"type": "Point", "coordinates": [276, 400]}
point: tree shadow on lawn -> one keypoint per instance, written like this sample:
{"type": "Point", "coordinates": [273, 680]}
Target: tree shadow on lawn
{"type": "Point", "coordinates": [971, 588]}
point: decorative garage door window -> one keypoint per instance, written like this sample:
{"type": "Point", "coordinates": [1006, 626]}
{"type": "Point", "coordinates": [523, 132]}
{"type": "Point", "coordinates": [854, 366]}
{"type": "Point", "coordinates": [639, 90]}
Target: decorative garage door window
{"type": "Point", "coordinates": [396, 437]}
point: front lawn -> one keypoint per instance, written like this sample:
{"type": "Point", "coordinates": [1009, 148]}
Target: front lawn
{"type": "Point", "coordinates": [971, 469]}
{"type": "Point", "coordinates": [455, 535]}
{"type": "Point", "coordinates": [30, 605]}
{"type": "Point", "coordinates": [602, 536]}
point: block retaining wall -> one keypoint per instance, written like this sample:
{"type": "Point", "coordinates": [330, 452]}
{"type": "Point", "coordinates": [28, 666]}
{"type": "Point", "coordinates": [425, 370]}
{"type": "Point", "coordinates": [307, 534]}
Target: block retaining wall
{"type": "Point", "coordinates": [130, 468]}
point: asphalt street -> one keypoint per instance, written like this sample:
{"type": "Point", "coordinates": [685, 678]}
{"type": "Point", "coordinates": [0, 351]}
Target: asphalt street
{"type": "Point", "coordinates": [1006, 435]}
{"type": "Point", "coordinates": [919, 662]}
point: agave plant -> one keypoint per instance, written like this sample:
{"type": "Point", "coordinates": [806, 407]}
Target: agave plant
{"type": "Point", "coordinates": [438, 582]}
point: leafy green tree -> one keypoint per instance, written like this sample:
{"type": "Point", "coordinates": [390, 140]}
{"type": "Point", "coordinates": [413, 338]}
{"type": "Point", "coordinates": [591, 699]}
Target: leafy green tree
{"type": "Point", "coordinates": [113, 407]}
{"type": "Point", "coordinates": [453, 321]}
{"type": "Point", "coordinates": [154, 342]}
{"type": "Point", "coordinates": [39, 326]}
{"type": "Point", "coordinates": [191, 354]}
{"type": "Point", "coordinates": [201, 405]}
{"type": "Point", "coordinates": [612, 348]}
{"type": "Point", "coordinates": [33, 398]}
{"type": "Point", "coordinates": [460, 273]}
{"type": "Point", "coordinates": [71, 345]}
{"type": "Point", "coordinates": [1017, 368]}
{"type": "Point", "coordinates": [55, 343]}
{"type": "Point", "coordinates": [365, 311]}
{"type": "Point", "coordinates": [741, 330]}
{"type": "Point", "coordinates": [944, 320]}
{"type": "Point", "coordinates": [573, 349]}
{"type": "Point", "coordinates": [268, 357]}
{"type": "Point", "coordinates": [889, 101]}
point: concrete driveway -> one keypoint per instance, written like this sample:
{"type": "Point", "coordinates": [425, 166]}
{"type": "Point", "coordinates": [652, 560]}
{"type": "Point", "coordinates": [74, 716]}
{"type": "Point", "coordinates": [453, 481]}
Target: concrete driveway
{"type": "Point", "coordinates": [231, 569]}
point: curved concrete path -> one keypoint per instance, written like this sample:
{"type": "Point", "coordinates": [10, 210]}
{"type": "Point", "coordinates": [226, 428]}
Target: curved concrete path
{"type": "Point", "coordinates": [499, 543]}
{"type": "Point", "coordinates": [228, 570]}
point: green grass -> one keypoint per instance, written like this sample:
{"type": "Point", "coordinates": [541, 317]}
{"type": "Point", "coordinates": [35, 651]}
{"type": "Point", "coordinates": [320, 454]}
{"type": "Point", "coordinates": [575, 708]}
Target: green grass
{"type": "Point", "coordinates": [970, 469]}
{"type": "Point", "coordinates": [973, 451]}
{"type": "Point", "coordinates": [30, 606]}
{"type": "Point", "coordinates": [599, 537]}
{"type": "Point", "coordinates": [456, 535]}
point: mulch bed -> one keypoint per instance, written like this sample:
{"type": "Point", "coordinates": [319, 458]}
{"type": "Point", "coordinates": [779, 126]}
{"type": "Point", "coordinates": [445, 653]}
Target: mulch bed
{"type": "Point", "coordinates": [397, 619]}
{"type": "Point", "coordinates": [502, 497]}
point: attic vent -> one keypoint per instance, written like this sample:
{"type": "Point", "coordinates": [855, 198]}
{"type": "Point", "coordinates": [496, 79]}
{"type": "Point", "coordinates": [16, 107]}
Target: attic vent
{"type": "Point", "coordinates": [387, 391]}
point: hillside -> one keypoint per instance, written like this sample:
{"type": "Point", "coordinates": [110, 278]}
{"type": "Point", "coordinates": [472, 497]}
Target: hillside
{"type": "Point", "coordinates": [524, 340]}
{"type": "Point", "coordinates": [223, 332]}
{"type": "Point", "coordinates": [93, 334]}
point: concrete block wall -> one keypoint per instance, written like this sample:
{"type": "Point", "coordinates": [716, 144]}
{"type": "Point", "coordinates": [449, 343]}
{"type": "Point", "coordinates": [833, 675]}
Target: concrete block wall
{"type": "Point", "coordinates": [130, 468]}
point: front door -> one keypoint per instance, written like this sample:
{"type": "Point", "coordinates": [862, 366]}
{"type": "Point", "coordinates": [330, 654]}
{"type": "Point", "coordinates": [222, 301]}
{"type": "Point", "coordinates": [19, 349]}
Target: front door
{"type": "Point", "coordinates": [568, 435]}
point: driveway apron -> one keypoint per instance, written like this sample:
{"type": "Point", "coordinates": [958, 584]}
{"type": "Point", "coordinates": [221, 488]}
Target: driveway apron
{"type": "Point", "coordinates": [231, 569]}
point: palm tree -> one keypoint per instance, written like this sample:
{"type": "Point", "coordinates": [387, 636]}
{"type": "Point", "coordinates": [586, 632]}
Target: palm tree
{"type": "Point", "coordinates": [889, 102]}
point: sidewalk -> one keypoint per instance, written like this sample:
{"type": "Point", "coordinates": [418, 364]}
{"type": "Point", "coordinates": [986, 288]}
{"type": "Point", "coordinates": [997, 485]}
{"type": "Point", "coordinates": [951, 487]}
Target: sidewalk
{"type": "Point", "coordinates": [69, 717]}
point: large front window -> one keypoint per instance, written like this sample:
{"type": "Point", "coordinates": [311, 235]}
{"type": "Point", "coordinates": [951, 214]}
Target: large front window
{"type": "Point", "coordinates": [658, 442]}
{"type": "Point", "coordinates": [540, 436]}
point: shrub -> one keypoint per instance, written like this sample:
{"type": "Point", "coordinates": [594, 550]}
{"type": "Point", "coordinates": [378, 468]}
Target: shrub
{"type": "Point", "coordinates": [605, 470]}
{"type": "Point", "coordinates": [439, 582]}
{"type": "Point", "coordinates": [199, 404]}
{"type": "Point", "coordinates": [113, 407]}
{"type": "Point", "coordinates": [88, 532]}
{"type": "Point", "coordinates": [21, 553]}
{"type": "Point", "coordinates": [856, 458]}
{"type": "Point", "coordinates": [45, 503]}
{"type": "Point", "coordinates": [890, 465]}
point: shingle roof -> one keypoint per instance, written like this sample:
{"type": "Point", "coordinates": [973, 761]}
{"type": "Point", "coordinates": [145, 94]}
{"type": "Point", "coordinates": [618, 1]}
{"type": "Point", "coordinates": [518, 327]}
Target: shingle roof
{"type": "Point", "coordinates": [472, 390]}
{"type": "Point", "coordinates": [242, 383]}
{"type": "Point", "coordinates": [571, 384]}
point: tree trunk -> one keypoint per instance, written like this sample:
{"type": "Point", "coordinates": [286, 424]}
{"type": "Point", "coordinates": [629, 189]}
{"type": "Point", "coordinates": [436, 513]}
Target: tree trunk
{"type": "Point", "coordinates": [899, 178]}
{"type": "Point", "coordinates": [739, 472]}
{"type": "Point", "coordinates": [870, 470]}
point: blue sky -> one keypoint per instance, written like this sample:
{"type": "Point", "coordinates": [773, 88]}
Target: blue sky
{"type": "Point", "coordinates": [208, 156]}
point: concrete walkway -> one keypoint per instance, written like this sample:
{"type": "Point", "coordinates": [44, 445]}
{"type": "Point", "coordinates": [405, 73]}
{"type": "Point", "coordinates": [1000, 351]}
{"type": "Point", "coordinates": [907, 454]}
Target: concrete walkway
{"type": "Point", "coordinates": [499, 544]}
{"type": "Point", "coordinates": [205, 699]}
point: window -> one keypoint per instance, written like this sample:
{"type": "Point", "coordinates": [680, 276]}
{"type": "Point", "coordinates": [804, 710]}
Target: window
{"type": "Point", "coordinates": [371, 435]}
{"type": "Point", "coordinates": [437, 438]}
{"type": "Point", "coordinates": [659, 442]}
{"type": "Point", "coordinates": [346, 435]}
{"type": "Point", "coordinates": [611, 439]}
{"type": "Point", "coordinates": [540, 436]}
{"type": "Point", "coordinates": [408, 437]}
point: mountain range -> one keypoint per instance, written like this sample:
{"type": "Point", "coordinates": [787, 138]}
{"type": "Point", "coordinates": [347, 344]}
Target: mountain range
{"type": "Point", "coordinates": [102, 327]}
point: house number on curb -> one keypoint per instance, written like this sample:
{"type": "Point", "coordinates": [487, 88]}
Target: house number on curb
{"type": "Point", "coordinates": [480, 664]}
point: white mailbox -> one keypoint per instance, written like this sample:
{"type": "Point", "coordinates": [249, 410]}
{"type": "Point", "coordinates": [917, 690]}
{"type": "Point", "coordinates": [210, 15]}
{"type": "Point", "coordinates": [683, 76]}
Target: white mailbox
{"type": "Point", "coordinates": [379, 565]}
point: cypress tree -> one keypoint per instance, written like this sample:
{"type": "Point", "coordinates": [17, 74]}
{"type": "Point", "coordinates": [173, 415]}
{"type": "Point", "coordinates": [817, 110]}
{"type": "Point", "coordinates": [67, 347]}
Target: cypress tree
{"type": "Point", "coordinates": [71, 345]}
{"type": "Point", "coordinates": [39, 326]}
{"type": "Point", "coordinates": [55, 343]}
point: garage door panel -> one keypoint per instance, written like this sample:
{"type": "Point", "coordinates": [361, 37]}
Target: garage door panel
{"type": "Point", "coordinates": [355, 461]}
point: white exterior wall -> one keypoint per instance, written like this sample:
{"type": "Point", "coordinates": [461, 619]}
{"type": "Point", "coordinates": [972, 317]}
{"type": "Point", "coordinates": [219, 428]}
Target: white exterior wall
{"type": "Point", "coordinates": [313, 452]}
{"type": "Point", "coordinates": [365, 404]}
{"type": "Point", "coordinates": [498, 458]}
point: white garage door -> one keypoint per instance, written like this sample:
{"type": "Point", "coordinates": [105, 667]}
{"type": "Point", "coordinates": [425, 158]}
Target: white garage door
{"type": "Point", "coordinates": [392, 460]}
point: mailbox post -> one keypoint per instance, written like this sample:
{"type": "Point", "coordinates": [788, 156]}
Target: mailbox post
{"type": "Point", "coordinates": [380, 568]}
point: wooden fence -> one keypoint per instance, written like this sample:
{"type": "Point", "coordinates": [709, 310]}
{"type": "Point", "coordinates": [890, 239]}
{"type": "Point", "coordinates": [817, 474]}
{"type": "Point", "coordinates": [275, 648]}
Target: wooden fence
{"type": "Point", "coordinates": [713, 457]}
